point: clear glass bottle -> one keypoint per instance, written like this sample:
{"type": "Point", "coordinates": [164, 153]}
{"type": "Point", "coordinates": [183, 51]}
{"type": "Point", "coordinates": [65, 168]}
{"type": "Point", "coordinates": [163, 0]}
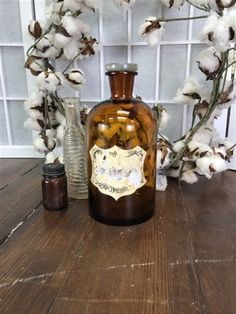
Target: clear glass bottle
{"type": "Point", "coordinates": [74, 147]}
{"type": "Point", "coordinates": [121, 153]}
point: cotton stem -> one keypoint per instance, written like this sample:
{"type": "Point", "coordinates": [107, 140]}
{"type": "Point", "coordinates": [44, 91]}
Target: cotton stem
{"type": "Point", "coordinates": [182, 18]}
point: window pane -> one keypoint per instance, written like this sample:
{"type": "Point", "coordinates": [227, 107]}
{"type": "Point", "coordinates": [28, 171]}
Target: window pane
{"type": "Point", "coordinates": [0, 88]}
{"type": "Point", "coordinates": [174, 126]}
{"type": "Point", "coordinates": [114, 23]}
{"type": "Point", "coordinates": [10, 21]}
{"type": "Point", "coordinates": [144, 85]}
{"type": "Point", "coordinates": [172, 70]}
{"type": "Point", "coordinates": [176, 30]}
{"type": "Point", "coordinates": [91, 19]}
{"type": "Point", "coordinates": [17, 117]}
{"type": "Point", "coordinates": [14, 72]}
{"type": "Point", "coordinates": [197, 24]}
{"type": "Point", "coordinates": [3, 128]}
{"type": "Point", "coordinates": [91, 69]}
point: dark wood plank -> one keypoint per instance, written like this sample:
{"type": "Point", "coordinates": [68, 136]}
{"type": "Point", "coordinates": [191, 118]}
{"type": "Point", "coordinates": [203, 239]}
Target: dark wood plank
{"type": "Point", "coordinates": [12, 169]}
{"type": "Point", "coordinates": [37, 259]}
{"type": "Point", "coordinates": [181, 261]}
{"type": "Point", "coordinates": [116, 263]}
{"type": "Point", "coordinates": [18, 200]}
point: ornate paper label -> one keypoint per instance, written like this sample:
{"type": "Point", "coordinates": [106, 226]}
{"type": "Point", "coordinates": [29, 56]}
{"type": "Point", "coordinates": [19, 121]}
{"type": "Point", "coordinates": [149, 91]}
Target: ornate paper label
{"type": "Point", "coordinates": [117, 172]}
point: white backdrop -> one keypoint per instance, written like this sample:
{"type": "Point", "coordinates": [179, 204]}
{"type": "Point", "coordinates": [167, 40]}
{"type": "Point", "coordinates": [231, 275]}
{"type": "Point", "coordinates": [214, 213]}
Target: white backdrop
{"type": "Point", "coordinates": [161, 69]}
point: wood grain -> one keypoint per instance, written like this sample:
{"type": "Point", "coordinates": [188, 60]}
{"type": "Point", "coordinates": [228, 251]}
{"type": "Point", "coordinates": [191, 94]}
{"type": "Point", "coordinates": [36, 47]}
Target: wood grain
{"type": "Point", "coordinates": [12, 169]}
{"type": "Point", "coordinates": [19, 198]}
{"type": "Point", "coordinates": [183, 260]}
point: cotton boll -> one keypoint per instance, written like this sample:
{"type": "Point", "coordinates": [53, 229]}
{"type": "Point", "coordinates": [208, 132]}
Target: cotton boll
{"type": "Point", "coordinates": [178, 146]}
{"type": "Point", "coordinates": [74, 26]}
{"type": "Point", "coordinates": [88, 47]}
{"type": "Point", "coordinates": [205, 150]}
{"type": "Point", "coordinates": [35, 114]}
{"type": "Point", "coordinates": [208, 29]}
{"type": "Point", "coordinates": [190, 93]}
{"type": "Point", "coordinates": [61, 159]}
{"type": "Point", "coordinates": [43, 143]}
{"type": "Point", "coordinates": [75, 78]}
{"type": "Point", "coordinates": [35, 64]}
{"type": "Point", "coordinates": [161, 182]}
{"type": "Point", "coordinates": [45, 43]}
{"type": "Point", "coordinates": [46, 47]}
{"type": "Point", "coordinates": [220, 5]}
{"type": "Point", "coordinates": [165, 117]}
{"type": "Point", "coordinates": [61, 41]}
{"type": "Point", "coordinates": [32, 124]}
{"type": "Point", "coordinates": [154, 37]}
{"type": "Point", "coordinates": [189, 176]}
{"type": "Point", "coordinates": [228, 96]}
{"type": "Point", "coordinates": [71, 50]}
{"type": "Point", "coordinates": [40, 145]}
{"type": "Point", "coordinates": [193, 146]}
{"type": "Point", "coordinates": [204, 135]}
{"type": "Point", "coordinates": [221, 151]}
{"type": "Point", "coordinates": [51, 133]}
{"type": "Point", "coordinates": [218, 31]}
{"type": "Point", "coordinates": [209, 165]}
{"type": "Point", "coordinates": [36, 28]}
{"type": "Point", "coordinates": [60, 118]}
{"type": "Point", "coordinates": [209, 62]}
{"type": "Point", "coordinates": [50, 157]}
{"type": "Point", "coordinates": [163, 158]}
{"type": "Point", "coordinates": [60, 133]}
{"type": "Point", "coordinates": [35, 99]}
{"type": "Point", "coordinates": [50, 81]}
{"type": "Point", "coordinates": [54, 11]}
{"type": "Point", "coordinates": [222, 34]}
{"type": "Point", "coordinates": [71, 30]}
{"type": "Point", "coordinates": [199, 149]}
{"type": "Point", "coordinates": [152, 30]}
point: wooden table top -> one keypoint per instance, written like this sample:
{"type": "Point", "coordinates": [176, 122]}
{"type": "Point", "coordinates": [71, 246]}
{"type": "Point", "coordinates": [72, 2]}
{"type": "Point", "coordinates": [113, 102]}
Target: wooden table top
{"type": "Point", "coordinates": [181, 261]}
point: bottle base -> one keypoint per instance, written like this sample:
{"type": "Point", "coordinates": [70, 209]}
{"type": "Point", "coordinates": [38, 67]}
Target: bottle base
{"type": "Point", "coordinates": [121, 222]}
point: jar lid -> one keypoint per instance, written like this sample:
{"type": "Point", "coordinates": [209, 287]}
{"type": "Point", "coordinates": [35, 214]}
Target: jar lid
{"type": "Point", "coordinates": [53, 169]}
{"type": "Point", "coordinates": [127, 67]}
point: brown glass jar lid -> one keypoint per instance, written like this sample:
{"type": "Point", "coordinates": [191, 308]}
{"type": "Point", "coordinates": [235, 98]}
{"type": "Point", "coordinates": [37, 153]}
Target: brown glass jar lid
{"type": "Point", "coordinates": [128, 67]}
{"type": "Point", "coordinates": [53, 169]}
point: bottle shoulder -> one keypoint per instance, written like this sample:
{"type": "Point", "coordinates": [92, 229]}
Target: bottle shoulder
{"type": "Point", "coordinates": [111, 107]}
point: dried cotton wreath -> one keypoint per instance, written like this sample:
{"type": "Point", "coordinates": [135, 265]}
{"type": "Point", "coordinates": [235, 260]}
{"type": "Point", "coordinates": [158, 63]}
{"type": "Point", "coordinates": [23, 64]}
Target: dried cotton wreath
{"type": "Point", "coordinates": [64, 35]}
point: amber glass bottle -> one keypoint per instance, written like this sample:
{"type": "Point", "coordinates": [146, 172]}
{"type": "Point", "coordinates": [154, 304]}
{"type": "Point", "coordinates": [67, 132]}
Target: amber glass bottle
{"type": "Point", "coordinates": [121, 153]}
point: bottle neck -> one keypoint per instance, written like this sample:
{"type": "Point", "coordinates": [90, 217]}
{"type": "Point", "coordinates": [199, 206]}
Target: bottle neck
{"type": "Point", "coordinates": [72, 106]}
{"type": "Point", "coordinates": [121, 84]}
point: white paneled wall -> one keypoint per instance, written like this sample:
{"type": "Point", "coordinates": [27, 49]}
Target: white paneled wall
{"type": "Point", "coordinates": [15, 140]}
{"type": "Point", "coordinates": [162, 69]}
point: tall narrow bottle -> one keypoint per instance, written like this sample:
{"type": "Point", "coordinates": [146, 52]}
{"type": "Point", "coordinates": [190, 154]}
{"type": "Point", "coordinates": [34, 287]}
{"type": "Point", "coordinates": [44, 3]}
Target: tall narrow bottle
{"type": "Point", "coordinates": [75, 156]}
{"type": "Point", "coordinates": [121, 153]}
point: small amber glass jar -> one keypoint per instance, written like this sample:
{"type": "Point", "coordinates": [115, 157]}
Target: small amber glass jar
{"type": "Point", "coordinates": [54, 187]}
